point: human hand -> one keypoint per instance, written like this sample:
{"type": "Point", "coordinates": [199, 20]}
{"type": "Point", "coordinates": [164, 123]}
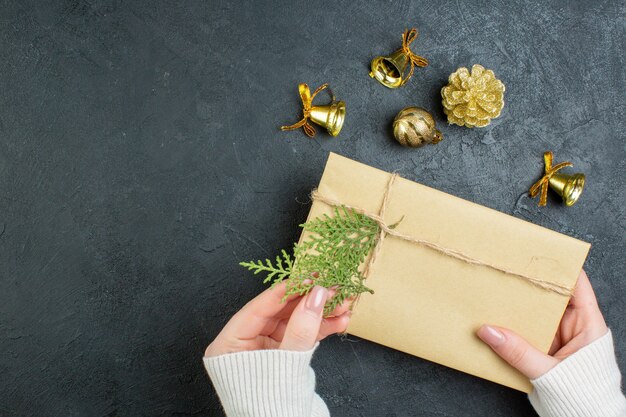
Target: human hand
{"type": "Point", "coordinates": [581, 324]}
{"type": "Point", "coordinates": [268, 323]}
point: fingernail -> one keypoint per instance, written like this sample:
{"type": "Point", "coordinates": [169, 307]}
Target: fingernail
{"type": "Point", "coordinates": [315, 274]}
{"type": "Point", "coordinates": [307, 281]}
{"type": "Point", "coordinates": [316, 299]}
{"type": "Point", "coordinates": [491, 336]}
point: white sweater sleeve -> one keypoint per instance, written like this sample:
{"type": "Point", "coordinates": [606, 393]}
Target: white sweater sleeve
{"type": "Point", "coordinates": [266, 383]}
{"type": "Point", "coordinates": [280, 383]}
{"type": "Point", "coordinates": [586, 384]}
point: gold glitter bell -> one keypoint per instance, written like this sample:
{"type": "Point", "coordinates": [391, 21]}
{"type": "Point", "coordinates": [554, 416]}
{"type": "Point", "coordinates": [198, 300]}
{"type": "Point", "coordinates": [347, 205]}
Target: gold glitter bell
{"type": "Point", "coordinates": [415, 127]}
{"type": "Point", "coordinates": [569, 187]}
{"type": "Point", "coordinates": [390, 70]}
{"type": "Point", "coordinates": [331, 116]}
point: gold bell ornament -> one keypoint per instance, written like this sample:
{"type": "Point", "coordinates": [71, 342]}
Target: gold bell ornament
{"type": "Point", "coordinates": [473, 98]}
{"type": "Point", "coordinates": [390, 70]}
{"type": "Point", "coordinates": [569, 187]}
{"type": "Point", "coordinates": [330, 116]}
{"type": "Point", "coordinates": [415, 127]}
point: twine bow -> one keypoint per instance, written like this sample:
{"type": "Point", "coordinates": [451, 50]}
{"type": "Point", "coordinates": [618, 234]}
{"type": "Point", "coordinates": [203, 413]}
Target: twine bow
{"type": "Point", "coordinates": [407, 38]}
{"type": "Point", "coordinates": [307, 100]}
{"type": "Point", "coordinates": [542, 184]}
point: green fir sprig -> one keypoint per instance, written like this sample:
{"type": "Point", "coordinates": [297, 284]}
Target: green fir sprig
{"type": "Point", "coordinates": [329, 257]}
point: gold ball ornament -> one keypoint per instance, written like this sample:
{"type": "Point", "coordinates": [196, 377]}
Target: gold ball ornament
{"type": "Point", "coordinates": [472, 99]}
{"type": "Point", "coordinates": [415, 127]}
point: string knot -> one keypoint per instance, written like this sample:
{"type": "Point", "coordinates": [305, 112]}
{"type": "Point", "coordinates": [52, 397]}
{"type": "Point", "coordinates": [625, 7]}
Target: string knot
{"type": "Point", "coordinates": [414, 60]}
{"type": "Point", "coordinates": [542, 184]}
{"type": "Point", "coordinates": [307, 101]}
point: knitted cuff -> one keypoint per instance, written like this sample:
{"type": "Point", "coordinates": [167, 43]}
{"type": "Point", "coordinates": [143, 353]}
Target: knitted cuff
{"type": "Point", "coordinates": [266, 383]}
{"type": "Point", "coordinates": [586, 384]}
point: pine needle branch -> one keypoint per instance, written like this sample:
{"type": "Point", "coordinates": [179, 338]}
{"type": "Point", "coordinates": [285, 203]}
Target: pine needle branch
{"type": "Point", "coordinates": [330, 257]}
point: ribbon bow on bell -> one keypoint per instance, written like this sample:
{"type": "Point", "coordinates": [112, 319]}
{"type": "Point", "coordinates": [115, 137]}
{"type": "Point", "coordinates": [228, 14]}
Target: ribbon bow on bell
{"type": "Point", "coordinates": [407, 38]}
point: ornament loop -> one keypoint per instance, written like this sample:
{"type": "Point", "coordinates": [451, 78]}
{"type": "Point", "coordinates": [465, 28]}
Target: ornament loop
{"type": "Point", "coordinates": [542, 184]}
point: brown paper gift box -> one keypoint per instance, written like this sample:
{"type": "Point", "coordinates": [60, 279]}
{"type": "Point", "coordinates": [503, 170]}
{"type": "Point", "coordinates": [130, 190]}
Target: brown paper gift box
{"type": "Point", "coordinates": [430, 305]}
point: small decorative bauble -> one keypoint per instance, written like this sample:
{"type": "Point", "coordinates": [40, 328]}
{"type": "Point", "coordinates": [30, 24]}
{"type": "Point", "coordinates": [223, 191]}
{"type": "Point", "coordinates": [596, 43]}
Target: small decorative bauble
{"type": "Point", "coordinates": [472, 99]}
{"type": "Point", "coordinates": [415, 127]}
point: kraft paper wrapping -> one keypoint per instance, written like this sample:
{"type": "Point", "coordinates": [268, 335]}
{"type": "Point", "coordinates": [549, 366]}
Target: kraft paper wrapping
{"type": "Point", "coordinates": [430, 305]}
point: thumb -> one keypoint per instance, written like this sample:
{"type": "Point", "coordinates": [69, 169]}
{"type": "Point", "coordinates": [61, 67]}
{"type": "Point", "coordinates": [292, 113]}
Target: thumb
{"type": "Point", "coordinates": [516, 351]}
{"type": "Point", "coordinates": [304, 325]}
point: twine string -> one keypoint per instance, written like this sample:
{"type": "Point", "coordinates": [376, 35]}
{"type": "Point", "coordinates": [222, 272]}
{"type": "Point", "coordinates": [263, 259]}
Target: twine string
{"type": "Point", "coordinates": [307, 101]}
{"type": "Point", "coordinates": [385, 229]}
{"type": "Point", "coordinates": [382, 231]}
{"type": "Point", "coordinates": [542, 184]}
{"type": "Point", "coordinates": [414, 60]}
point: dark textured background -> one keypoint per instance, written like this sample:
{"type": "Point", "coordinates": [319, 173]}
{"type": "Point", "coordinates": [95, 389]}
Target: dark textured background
{"type": "Point", "coordinates": [140, 160]}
